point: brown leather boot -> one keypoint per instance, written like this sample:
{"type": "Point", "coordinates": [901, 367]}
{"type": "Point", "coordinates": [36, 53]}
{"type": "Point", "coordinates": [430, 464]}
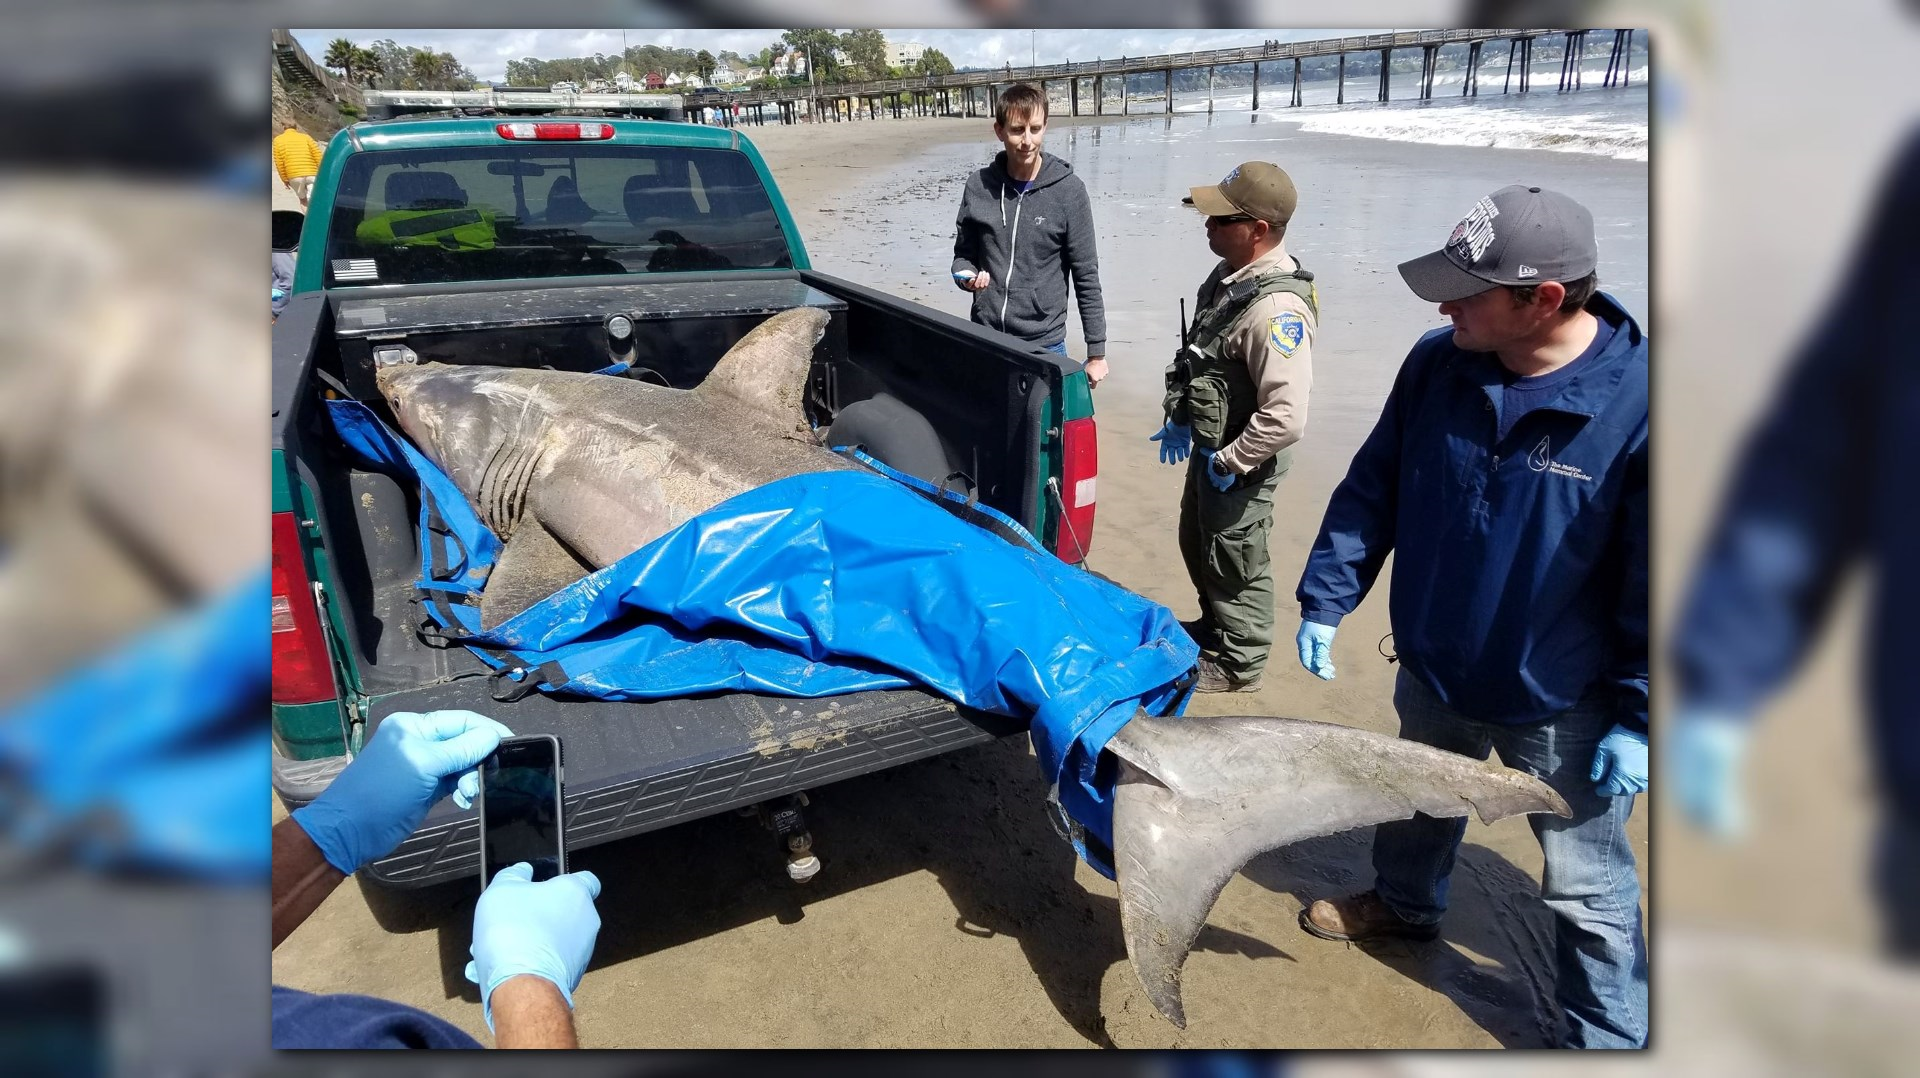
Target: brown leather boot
{"type": "Point", "coordinates": [1361, 917]}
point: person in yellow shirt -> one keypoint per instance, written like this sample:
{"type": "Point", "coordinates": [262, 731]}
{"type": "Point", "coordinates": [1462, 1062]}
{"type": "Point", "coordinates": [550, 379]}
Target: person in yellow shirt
{"type": "Point", "coordinates": [297, 158]}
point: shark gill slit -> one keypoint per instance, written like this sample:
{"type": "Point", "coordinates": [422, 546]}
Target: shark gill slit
{"type": "Point", "coordinates": [513, 484]}
{"type": "Point", "coordinates": [489, 486]}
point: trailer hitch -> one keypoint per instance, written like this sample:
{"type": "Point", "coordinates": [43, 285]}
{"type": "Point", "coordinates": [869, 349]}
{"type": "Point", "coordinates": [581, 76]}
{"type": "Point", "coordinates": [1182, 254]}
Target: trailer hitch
{"type": "Point", "coordinates": [782, 816]}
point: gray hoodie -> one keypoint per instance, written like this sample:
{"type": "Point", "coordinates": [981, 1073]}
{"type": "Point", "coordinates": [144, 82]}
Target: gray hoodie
{"type": "Point", "coordinates": [1029, 245]}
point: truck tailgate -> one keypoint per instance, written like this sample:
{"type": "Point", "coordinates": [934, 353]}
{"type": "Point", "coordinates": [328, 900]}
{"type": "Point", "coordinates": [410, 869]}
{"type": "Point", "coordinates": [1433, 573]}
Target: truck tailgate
{"type": "Point", "coordinates": [637, 767]}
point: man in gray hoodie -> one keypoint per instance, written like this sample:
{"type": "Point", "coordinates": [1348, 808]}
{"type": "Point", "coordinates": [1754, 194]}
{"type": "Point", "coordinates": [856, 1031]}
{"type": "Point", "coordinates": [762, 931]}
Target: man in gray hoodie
{"type": "Point", "coordinates": [1025, 227]}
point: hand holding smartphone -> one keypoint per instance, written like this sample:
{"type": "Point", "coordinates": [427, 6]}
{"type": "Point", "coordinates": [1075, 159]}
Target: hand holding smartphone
{"type": "Point", "coordinates": [522, 811]}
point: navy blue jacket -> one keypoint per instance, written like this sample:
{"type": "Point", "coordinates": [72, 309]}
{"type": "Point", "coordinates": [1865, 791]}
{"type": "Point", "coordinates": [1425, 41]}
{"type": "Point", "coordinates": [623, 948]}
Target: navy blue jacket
{"type": "Point", "coordinates": [304, 1020]}
{"type": "Point", "coordinates": [1826, 484]}
{"type": "Point", "coordinates": [1520, 568]}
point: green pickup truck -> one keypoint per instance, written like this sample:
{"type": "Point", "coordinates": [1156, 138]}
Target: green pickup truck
{"type": "Point", "coordinates": [578, 244]}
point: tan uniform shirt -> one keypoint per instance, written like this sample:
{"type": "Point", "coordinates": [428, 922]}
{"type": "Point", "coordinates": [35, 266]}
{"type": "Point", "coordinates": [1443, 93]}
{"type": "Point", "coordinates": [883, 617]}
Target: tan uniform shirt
{"type": "Point", "coordinates": [1274, 335]}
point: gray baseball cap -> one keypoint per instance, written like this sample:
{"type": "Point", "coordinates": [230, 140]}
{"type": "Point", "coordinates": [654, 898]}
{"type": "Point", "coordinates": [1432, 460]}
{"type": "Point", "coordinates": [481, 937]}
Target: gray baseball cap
{"type": "Point", "coordinates": [1518, 235]}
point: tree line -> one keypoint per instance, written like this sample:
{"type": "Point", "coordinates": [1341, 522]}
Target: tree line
{"type": "Point", "coordinates": [856, 55]}
{"type": "Point", "coordinates": [385, 65]}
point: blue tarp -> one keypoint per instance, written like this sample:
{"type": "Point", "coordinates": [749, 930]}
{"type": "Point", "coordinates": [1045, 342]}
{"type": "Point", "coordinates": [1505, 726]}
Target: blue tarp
{"type": "Point", "coordinates": [816, 585]}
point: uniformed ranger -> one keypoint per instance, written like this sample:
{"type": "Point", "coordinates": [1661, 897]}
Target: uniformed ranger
{"type": "Point", "coordinates": [1236, 402]}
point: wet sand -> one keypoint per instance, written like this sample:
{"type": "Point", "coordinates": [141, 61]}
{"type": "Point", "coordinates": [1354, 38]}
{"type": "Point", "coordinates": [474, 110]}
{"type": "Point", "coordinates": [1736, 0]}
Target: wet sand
{"type": "Point", "coordinates": [949, 914]}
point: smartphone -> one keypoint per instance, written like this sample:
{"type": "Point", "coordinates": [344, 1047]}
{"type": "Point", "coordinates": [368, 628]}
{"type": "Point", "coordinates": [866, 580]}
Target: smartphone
{"type": "Point", "coordinates": [963, 276]}
{"type": "Point", "coordinates": [521, 807]}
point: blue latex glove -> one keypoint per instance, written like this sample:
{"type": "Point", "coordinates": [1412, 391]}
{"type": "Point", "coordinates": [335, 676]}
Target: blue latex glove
{"type": "Point", "coordinates": [1176, 442]}
{"type": "Point", "coordinates": [1315, 642]}
{"type": "Point", "coordinates": [1620, 762]}
{"type": "Point", "coordinates": [1217, 473]}
{"type": "Point", "coordinates": [546, 929]}
{"type": "Point", "coordinates": [412, 762]}
{"type": "Point", "coordinates": [1708, 747]}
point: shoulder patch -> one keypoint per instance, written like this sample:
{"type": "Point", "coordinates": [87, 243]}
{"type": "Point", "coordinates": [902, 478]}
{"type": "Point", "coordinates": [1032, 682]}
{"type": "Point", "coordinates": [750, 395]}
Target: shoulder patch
{"type": "Point", "coordinates": [1287, 331]}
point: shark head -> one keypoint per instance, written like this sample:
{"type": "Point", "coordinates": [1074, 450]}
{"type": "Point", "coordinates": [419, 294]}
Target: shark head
{"type": "Point", "coordinates": [479, 424]}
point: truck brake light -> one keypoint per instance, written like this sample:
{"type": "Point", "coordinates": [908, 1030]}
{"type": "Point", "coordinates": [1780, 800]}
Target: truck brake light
{"type": "Point", "coordinates": [302, 673]}
{"type": "Point", "coordinates": [1080, 466]}
{"type": "Point", "coordinates": [565, 131]}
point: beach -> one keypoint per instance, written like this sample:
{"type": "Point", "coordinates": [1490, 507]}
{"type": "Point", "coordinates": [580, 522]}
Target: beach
{"type": "Point", "coordinates": [949, 912]}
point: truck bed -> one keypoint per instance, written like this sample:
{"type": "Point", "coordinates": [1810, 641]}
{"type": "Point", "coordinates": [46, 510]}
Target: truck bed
{"type": "Point", "coordinates": [633, 767]}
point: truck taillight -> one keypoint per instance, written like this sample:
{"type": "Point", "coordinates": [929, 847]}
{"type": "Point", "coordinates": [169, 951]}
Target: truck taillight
{"type": "Point", "coordinates": [1080, 457]}
{"type": "Point", "coordinates": [301, 671]}
{"type": "Point", "coordinates": [570, 131]}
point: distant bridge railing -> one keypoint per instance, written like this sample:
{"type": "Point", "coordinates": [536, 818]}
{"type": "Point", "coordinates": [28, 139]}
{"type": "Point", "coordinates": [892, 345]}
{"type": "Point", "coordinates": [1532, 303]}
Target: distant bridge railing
{"type": "Point", "coordinates": [1134, 64]}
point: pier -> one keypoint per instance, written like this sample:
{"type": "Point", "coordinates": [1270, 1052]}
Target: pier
{"type": "Point", "coordinates": [1084, 87]}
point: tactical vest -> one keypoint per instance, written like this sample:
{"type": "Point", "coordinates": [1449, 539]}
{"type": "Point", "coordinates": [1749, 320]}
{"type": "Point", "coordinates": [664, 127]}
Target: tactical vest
{"type": "Point", "coordinates": [1208, 392]}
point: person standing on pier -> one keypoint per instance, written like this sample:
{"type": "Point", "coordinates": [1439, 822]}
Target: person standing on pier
{"type": "Point", "coordinates": [1025, 229]}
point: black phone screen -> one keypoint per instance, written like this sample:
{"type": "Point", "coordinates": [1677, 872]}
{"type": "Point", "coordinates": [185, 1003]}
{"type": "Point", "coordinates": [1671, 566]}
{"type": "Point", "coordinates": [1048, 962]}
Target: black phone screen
{"type": "Point", "coordinates": [520, 808]}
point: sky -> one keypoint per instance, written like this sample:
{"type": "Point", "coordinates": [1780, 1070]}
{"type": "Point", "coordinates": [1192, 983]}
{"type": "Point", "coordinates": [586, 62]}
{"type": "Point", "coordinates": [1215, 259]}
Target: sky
{"type": "Point", "coordinates": [486, 52]}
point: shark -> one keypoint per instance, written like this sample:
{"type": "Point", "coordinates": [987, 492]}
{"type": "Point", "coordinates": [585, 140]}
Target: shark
{"type": "Point", "coordinates": [575, 471]}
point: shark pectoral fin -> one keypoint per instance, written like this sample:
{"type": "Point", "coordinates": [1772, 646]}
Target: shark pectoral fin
{"type": "Point", "coordinates": [1197, 798]}
{"type": "Point", "coordinates": [533, 565]}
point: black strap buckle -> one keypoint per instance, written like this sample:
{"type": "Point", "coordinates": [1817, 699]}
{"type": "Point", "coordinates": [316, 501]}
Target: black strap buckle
{"type": "Point", "coordinates": [503, 688]}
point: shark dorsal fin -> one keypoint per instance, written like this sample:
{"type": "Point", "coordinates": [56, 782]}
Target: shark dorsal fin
{"type": "Point", "coordinates": [766, 373]}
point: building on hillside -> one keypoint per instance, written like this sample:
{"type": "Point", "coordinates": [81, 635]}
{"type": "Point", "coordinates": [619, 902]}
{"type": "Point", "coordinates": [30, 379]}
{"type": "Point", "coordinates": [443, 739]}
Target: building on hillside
{"type": "Point", "coordinates": [902, 53]}
{"type": "Point", "coordinates": [675, 79]}
{"type": "Point", "coordinates": [655, 80]}
{"type": "Point", "coordinates": [725, 75]}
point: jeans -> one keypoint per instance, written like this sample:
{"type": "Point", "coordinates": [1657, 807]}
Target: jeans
{"type": "Point", "coordinates": [1058, 348]}
{"type": "Point", "coordinates": [1589, 882]}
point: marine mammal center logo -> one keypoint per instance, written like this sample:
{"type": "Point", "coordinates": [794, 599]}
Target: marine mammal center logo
{"type": "Point", "coordinates": [1541, 460]}
{"type": "Point", "coordinates": [1474, 234]}
{"type": "Point", "coordinates": [1231, 176]}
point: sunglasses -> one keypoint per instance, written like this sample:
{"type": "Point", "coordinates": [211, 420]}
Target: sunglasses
{"type": "Point", "coordinates": [1217, 222]}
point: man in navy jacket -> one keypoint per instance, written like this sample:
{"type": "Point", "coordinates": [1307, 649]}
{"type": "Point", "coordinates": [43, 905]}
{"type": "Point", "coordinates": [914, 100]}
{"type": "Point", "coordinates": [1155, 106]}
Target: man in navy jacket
{"type": "Point", "coordinates": [1508, 474]}
{"type": "Point", "coordinates": [1823, 489]}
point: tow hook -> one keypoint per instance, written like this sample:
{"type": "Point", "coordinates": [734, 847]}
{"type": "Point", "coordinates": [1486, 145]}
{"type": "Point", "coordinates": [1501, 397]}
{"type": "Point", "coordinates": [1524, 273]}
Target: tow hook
{"type": "Point", "coordinates": [783, 817]}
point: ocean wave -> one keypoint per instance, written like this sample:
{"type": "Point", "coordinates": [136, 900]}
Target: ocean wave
{"type": "Point", "coordinates": [1469, 125]}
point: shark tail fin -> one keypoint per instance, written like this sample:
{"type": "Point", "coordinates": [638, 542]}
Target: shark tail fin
{"type": "Point", "coordinates": [1198, 798]}
{"type": "Point", "coordinates": [766, 372]}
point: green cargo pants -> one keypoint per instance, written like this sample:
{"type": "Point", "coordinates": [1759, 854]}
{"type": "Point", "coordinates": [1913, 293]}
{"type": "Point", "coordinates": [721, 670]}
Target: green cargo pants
{"type": "Point", "coordinates": [1223, 539]}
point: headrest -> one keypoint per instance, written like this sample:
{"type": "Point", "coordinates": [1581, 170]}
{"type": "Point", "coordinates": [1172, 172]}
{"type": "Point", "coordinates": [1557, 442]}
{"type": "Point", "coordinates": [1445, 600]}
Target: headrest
{"type": "Point", "coordinates": [411, 189]}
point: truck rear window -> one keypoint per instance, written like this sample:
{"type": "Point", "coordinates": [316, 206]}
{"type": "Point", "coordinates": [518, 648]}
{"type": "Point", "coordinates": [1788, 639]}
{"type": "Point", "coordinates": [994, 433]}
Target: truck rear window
{"type": "Point", "coordinates": [548, 210]}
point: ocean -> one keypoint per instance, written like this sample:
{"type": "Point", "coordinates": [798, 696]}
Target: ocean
{"type": "Point", "coordinates": [1379, 184]}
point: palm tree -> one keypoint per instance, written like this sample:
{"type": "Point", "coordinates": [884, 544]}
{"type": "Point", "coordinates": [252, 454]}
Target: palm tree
{"type": "Point", "coordinates": [367, 62]}
{"type": "Point", "coordinates": [342, 54]}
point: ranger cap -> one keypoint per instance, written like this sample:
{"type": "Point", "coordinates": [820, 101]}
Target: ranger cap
{"type": "Point", "coordinates": [1258, 189]}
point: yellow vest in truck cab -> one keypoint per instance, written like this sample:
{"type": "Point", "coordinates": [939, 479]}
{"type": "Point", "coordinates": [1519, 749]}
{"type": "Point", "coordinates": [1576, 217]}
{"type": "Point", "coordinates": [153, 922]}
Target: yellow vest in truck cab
{"type": "Point", "coordinates": [460, 229]}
